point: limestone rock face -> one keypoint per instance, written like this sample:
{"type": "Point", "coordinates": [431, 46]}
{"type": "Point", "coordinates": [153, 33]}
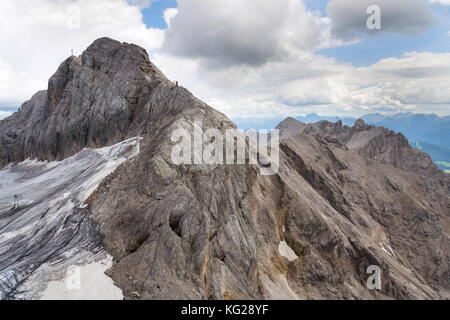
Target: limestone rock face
{"type": "Point", "coordinates": [343, 199]}
{"type": "Point", "coordinates": [391, 197]}
{"type": "Point", "coordinates": [100, 98]}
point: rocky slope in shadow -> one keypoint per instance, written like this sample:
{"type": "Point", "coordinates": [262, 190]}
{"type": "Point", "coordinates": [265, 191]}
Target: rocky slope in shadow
{"type": "Point", "coordinates": [343, 199]}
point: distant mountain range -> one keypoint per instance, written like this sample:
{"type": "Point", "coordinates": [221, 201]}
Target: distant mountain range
{"type": "Point", "coordinates": [6, 111]}
{"type": "Point", "coordinates": [427, 132]}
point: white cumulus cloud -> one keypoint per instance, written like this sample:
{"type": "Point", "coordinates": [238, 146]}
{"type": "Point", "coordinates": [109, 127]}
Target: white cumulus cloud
{"type": "Point", "coordinates": [349, 17]}
{"type": "Point", "coordinates": [444, 2]}
{"type": "Point", "coordinates": [251, 32]}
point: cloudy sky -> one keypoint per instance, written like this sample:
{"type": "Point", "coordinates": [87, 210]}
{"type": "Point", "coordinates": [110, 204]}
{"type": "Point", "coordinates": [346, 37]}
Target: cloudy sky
{"type": "Point", "coordinates": [248, 58]}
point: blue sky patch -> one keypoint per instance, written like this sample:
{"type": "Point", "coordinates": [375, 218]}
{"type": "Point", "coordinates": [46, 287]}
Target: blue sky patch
{"type": "Point", "coordinates": [154, 15]}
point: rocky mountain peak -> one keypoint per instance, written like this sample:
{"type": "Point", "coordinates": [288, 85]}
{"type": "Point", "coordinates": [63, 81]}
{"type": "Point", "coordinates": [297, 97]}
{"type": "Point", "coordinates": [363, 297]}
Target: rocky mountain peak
{"type": "Point", "coordinates": [344, 198]}
{"type": "Point", "coordinates": [110, 56]}
{"type": "Point", "coordinates": [290, 127]}
{"type": "Point", "coordinates": [360, 124]}
{"type": "Point", "coordinates": [374, 143]}
{"type": "Point", "coordinates": [110, 93]}
{"type": "Point", "coordinates": [104, 60]}
{"type": "Point", "coordinates": [288, 123]}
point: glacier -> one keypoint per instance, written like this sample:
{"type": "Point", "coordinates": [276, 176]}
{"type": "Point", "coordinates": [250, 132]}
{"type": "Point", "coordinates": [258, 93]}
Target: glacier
{"type": "Point", "coordinates": [51, 231]}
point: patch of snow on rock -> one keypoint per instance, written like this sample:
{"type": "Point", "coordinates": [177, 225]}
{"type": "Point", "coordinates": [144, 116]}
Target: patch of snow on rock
{"type": "Point", "coordinates": [85, 282]}
{"type": "Point", "coordinates": [287, 251]}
